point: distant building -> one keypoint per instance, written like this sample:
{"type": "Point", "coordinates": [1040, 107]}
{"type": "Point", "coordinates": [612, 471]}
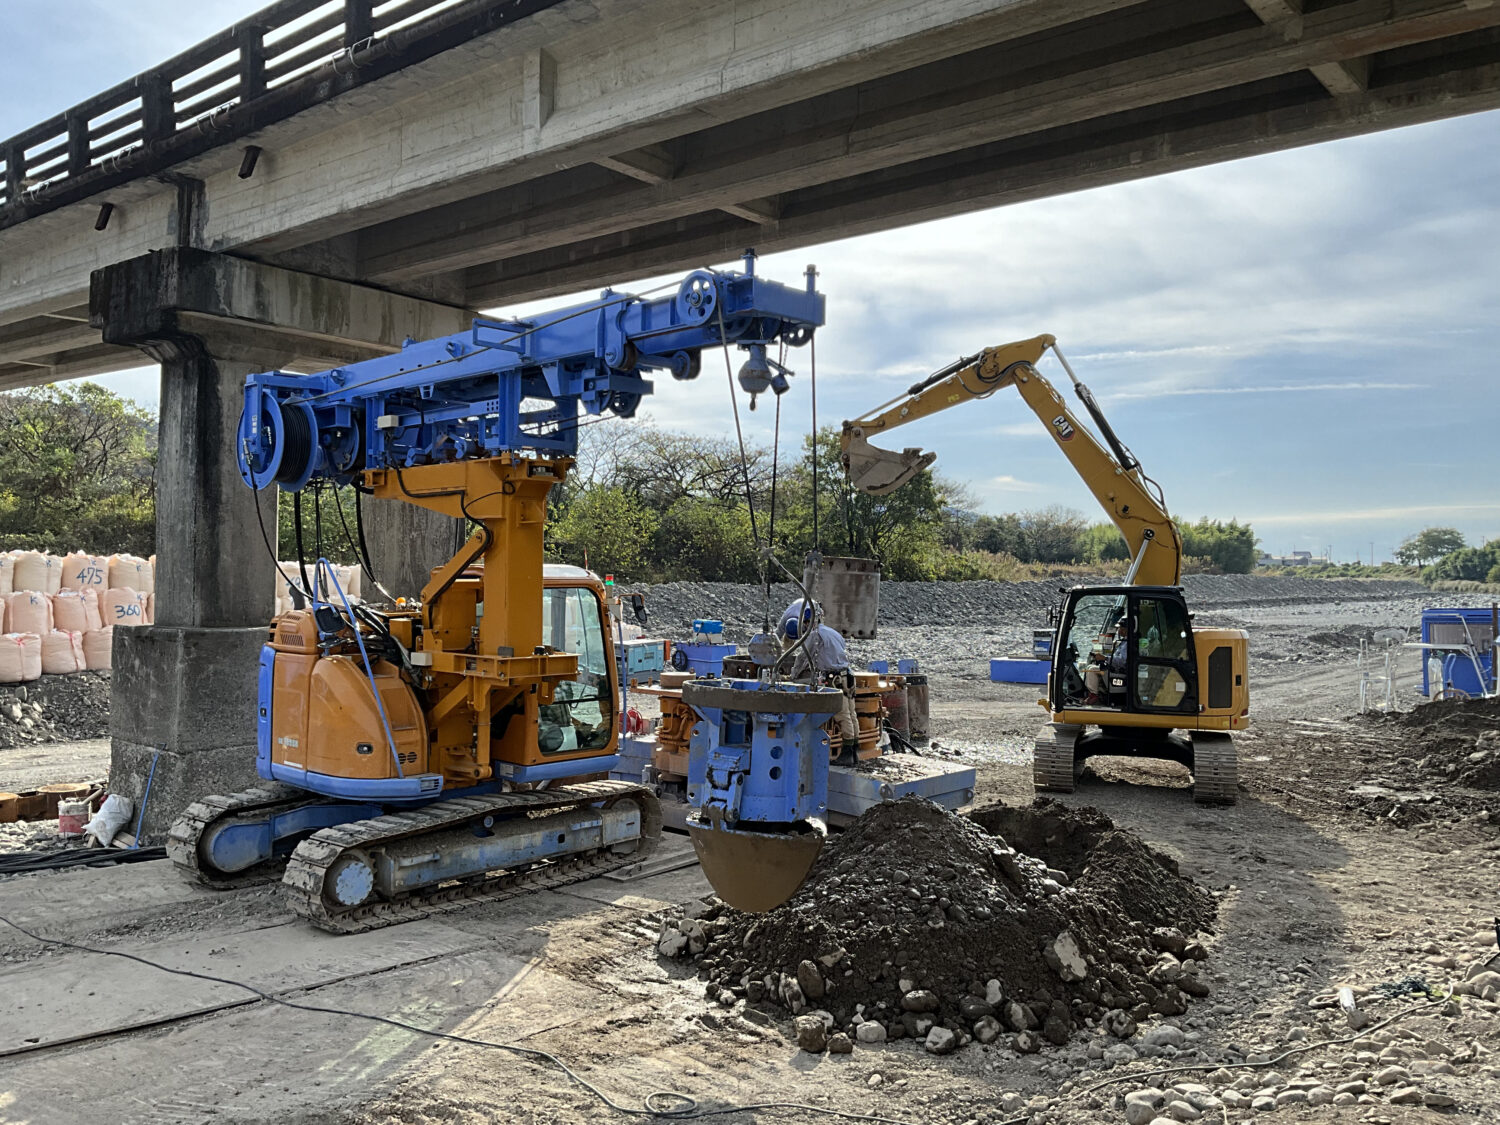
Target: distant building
{"type": "Point", "coordinates": [1296, 558]}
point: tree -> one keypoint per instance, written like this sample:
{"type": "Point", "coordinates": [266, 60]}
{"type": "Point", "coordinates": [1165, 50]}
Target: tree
{"type": "Point", "coordinates": [1231, 547]}
{"type": "Point", "coordinates": [1469, 564]}
{"type": "Point", "coordinates": [1429, 544]}
{"type": "Point", "coordinates": [77, 467]}
{"type": "Point", "coordinates": [1102, 542]}
{"type": "Point", "coordinates": [706, 539]}
{"type": "Point", "coordinates": [607, 529]}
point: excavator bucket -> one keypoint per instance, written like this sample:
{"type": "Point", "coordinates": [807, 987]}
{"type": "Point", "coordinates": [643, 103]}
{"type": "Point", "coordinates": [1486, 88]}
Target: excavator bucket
{"type": "Point", "coordinates": [879, 471]}
{"type": "Point", "coordinates": [753, 871]}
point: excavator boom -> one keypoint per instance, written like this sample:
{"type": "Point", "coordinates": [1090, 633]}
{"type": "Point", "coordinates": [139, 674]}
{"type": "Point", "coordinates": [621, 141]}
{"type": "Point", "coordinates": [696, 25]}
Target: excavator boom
{"type": "Point", "coordinates": [1110, 471]}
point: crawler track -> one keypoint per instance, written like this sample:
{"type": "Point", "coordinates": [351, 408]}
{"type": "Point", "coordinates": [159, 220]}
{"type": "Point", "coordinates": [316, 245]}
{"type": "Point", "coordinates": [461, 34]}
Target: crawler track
{"type": "Point", "coordinates": [1053, 758]}
{"type": "Point", "coordinates": [1215, 771]}
{"type": "Point", "coordinates": [307, 873]}
{"type": "Point", "coordinates": [188, 829]}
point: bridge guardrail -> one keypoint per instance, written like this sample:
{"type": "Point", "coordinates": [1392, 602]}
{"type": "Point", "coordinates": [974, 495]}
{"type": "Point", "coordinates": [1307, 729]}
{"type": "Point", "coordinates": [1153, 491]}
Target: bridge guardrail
{"type": "Point", "coordinates": [289, 55]}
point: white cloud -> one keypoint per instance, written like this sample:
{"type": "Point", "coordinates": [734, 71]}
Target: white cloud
{"type": "Point", "coordinates": [1282, 388]}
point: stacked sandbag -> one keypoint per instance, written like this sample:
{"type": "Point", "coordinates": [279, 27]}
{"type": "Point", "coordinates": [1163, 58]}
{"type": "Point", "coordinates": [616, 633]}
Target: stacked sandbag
{"type": "Point", "coordinates": [70, 611]}
{"type": "Point", "coordinates": [85, 572]}
{"type": "Point", "coordinates": [131, 572]}
{"type": "Point", "coordinates": [28, 611]}
{"type": "Point", "coordinates": [97, 646]}
{"type": "Point", "coordinates": [122, 605]}
{"type": "Point", "coordinates": [62, 653]}
{"type": "Point", "coordinates": [7, 574]}
{"type": "Point", "coordinates": [38, 572]}
{"type": "Point", "coordinates": [20, 658]}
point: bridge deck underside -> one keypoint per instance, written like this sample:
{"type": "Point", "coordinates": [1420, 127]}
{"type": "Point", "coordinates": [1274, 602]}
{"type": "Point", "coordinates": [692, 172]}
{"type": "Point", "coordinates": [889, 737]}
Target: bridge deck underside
{"type": "Point", "coordinates": [1023, 105]}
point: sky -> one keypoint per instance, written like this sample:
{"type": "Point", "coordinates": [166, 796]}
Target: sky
{"type": "Point", "coordinates": [1306, 340]}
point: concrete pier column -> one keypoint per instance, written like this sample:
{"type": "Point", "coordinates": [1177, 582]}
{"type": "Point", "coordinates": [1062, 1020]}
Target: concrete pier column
{"type": "Point", "coordinates": [183, 706]}
{"type": "Point", "coordinates": [406, 543]}
{"type": "Point", "coordinates": [182, 712]}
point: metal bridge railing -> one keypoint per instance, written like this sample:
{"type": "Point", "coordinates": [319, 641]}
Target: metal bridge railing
{"type": "Point", "coordinates": [285, 57]}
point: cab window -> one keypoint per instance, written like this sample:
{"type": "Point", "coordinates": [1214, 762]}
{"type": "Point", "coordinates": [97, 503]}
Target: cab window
{"type": "Point", "coordinates": [581, 714]}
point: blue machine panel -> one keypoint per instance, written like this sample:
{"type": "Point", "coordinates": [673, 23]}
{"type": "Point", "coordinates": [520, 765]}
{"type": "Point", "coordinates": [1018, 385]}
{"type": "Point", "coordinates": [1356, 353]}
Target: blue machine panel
{"type": "Point", "coordinates": [265, 681]}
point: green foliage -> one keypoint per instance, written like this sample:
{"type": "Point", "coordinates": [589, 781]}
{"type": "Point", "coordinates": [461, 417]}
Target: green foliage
{"type": "Point", "coordinates": [607, 529]}
{"type": "Point", "coordinates": [328, 523]}
{"type": "Point", "coordinates": [706, 539]}
{"type": "Point", "coordinates": [1493, 577]}
{"type": "Point", "coordinates": [1230, 547]}
{"type": "Point", "coordinates": [1467, 564]}
{"type": "Point", "coordinates": [1102, 542]}
{"type": "Point", "coordinates": [1428, 545]}
{"type": "Point", "coordinates": [77, 470]}
{"type": "Point", "coordinates": [1393, 572]}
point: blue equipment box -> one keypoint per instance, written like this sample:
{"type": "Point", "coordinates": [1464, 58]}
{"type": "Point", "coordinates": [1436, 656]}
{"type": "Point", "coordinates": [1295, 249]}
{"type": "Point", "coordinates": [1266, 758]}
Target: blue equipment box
{"type": "Point", "coordinates": [1019, 671]}
{"type": "Point", "coordinates": [642, 661]}
{"type": "Point", "coordinates": [1460, 628]}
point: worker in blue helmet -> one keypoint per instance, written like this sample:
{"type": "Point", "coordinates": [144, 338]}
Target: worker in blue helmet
{"type": "Point", "coordinates": [821, 659]}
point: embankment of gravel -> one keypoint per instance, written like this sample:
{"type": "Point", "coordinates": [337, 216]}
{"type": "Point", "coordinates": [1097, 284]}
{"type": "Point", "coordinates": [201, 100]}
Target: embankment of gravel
{"type": "Point", "coordinates": [674, 605]}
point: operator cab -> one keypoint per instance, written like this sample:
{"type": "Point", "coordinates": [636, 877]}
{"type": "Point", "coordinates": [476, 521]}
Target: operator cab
{"type": "Point", "coordinates": [1124, 649]}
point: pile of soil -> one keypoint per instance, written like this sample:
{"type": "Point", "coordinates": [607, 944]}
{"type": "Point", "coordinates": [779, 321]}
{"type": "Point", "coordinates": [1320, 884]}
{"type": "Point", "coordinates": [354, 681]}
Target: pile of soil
{"type": "Point", "coordinates": [1029, 921]}
{"type": "Point", "coordinates": [55, 709]}
{"type": "Point", "coordinates": [1458, 738]}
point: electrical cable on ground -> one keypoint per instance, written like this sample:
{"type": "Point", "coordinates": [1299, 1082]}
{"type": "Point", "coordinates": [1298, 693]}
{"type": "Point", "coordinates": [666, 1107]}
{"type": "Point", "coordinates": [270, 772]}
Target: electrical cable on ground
{"type": "Point", "coordinates": [23, 863]}
{"type": "Point", "coordinates": [687, 1111]}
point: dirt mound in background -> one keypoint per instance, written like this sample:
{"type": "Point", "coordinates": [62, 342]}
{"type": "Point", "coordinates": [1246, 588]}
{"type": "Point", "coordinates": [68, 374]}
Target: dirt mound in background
{"type": "Point", "coordinates": [55, 709]}
{"type": "Point", "coordinates": [1457, 739]}
{"type": "Point", "coordinates": [915, 918]}
{"type": "Point", "coordinates": [742, 608]}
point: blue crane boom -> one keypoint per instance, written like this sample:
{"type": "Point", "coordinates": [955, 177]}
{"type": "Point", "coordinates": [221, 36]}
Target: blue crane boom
{"type": "Point", "coordinates": [511, 385]}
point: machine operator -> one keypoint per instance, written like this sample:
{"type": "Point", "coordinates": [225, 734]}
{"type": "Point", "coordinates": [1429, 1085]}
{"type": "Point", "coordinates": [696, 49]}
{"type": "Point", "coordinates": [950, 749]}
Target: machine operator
{"type": "Point", "coordinates": [822, 660]}
{"type": "Point", "coordinates": [1096, 678]}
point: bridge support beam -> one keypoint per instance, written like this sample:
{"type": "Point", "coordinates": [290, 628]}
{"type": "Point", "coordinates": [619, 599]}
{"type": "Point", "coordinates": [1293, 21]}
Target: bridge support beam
{"type": "Point", "coordinates": [183, 698]}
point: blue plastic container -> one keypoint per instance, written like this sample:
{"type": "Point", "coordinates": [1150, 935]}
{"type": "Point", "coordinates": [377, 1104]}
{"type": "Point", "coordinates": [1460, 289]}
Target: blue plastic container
{"type": "Point", "coordinates": [701, 659]}
{"type": "Point", "coordinates": [1019, 671]}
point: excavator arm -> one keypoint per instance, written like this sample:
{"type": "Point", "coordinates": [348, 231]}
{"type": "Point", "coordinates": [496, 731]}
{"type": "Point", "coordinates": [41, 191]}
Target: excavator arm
{"type": "Point", "coordinates": [1132, 501]}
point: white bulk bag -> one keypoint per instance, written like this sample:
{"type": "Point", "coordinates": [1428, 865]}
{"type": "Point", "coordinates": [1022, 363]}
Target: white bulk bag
{"type": "Point", "coordinates": [97, 646]}
{"type": "Point", "coordinates": [7, 574]}
{"type": "Point", "coordinates": [62, 653]}
{"type": "Point", "coordinates": [31, 572]}
{"type": "Point", "coordinates": [83, 572]}
{"type": "Point", "coordinates": [121, 605]}
{"type": "Point", "coordinates": [20, 657]}
{"type": "Point", "coordinates": [68, 612]}
{"type": "Point", "coordinates": [28, 611]}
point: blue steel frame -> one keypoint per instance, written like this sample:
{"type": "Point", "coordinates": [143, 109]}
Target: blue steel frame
{"type": "Point", "coordinates": [506, 385]}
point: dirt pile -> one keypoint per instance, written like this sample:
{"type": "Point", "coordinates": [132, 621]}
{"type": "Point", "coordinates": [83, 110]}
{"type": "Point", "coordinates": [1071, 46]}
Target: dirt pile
{"type": "Point", "coordinates": [55, 709]}
{"type": "Point", "coordinates": [1459, 739]}
{"type": "Point", "coordinates": [916, 922]}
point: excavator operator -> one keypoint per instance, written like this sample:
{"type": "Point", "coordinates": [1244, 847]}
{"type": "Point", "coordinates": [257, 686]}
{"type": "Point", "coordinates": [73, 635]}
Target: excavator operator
{"type": "Point", "coordinates": [822, 660]}
{"type": "Point", "coordinates": [1096, 677]}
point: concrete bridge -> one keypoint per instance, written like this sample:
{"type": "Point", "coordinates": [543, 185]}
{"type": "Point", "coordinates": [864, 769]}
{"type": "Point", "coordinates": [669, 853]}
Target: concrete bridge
{"type": "Point", "coordinates": [329, 176]}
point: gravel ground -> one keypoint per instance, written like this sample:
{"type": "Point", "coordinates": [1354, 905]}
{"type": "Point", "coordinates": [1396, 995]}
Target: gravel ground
{"type": "Point", "coordinates": [1318, 885]}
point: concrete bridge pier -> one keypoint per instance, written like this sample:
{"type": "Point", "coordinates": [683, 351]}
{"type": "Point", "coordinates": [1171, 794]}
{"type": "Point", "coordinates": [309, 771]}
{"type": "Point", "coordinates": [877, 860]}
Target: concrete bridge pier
{"type": "Point", "coordinates": [182, 716]}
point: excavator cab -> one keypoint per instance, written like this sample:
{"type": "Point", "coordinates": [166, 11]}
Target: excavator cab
{"type": "Point", "coordinates": [1125, 649]}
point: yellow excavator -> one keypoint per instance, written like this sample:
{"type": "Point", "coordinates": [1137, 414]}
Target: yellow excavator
{"type": "Point", "coordinates": [1130, 675]}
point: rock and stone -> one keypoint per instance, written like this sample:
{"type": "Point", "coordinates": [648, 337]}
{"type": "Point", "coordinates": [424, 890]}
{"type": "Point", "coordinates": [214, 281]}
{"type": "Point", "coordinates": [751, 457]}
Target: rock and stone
{"type": "Point", "coordinates": [810, 980]}
{"type": "Point", "coordinates": [940, 1041]}
{"type": "Point", "coordinates": [919, 1000]}
{"type": "Point", "coordinates": [1065, 958]}
{"type": "Point", "coordinates": [840, 1044]}
{"type": "Point", "coordinates": [870, 1032]}
{"type": "Point", "coordinates": [812, 1034]}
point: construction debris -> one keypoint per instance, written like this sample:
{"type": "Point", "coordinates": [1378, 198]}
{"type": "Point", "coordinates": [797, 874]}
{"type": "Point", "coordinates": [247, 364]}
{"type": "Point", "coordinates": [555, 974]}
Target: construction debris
{"type": "Point", "coordinates": [917, 923]}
